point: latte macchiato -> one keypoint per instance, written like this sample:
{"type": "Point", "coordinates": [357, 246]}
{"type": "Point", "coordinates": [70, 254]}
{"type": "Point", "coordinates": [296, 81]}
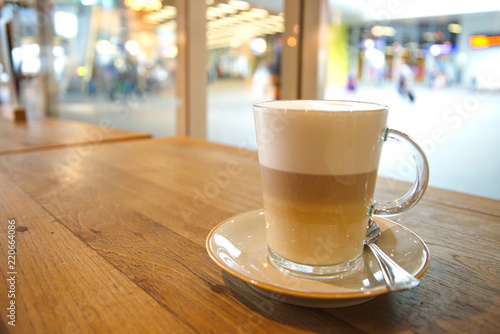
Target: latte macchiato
{"type": "Point", "coordinates": [319, 163]}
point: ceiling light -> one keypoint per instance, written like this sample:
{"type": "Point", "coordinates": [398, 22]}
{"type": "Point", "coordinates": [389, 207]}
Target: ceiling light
{"type": "Point", "coordinates": [144, 5]}
{"type": "Point", "coordinates": [454, 28]}
{"type": "Point", "coordinates": [241, 5]}
{"type": "Point", "coordinates": [258, 46]}
{"type": "Point", "coordinates": [260, 13]}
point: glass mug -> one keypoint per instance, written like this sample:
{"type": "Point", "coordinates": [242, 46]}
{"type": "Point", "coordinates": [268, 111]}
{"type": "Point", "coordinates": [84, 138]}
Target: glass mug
{"type": "Point", "coordinates": [319, 161]}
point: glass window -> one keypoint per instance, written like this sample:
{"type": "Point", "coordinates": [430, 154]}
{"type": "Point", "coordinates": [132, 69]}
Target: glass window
{"type": "Point", "coordinates": [244, 45]}
{"type": "Point", "coordinates": [115, 64]}
{"type": "Point", "coordinates": [435, 64]}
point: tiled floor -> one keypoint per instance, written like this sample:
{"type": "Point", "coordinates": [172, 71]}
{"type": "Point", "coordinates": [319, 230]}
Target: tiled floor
{"type": "Point", "coordinates": [458, 128]}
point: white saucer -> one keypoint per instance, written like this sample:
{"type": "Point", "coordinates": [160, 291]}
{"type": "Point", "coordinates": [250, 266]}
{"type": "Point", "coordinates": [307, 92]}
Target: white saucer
{"type": "Point", "coordinates": [238, 246]}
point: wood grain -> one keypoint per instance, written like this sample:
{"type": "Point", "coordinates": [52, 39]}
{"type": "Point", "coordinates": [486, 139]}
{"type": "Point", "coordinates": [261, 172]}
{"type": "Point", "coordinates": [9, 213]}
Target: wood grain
{"type": "Point", "coordinates": [132, 218]}
{"type": "Point", "coordinates": [63, 285]}
{"type": "Point", "coordinates": [49, 133]}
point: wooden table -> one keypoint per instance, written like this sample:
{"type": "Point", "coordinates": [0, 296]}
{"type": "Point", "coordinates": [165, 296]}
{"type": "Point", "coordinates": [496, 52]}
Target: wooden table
{"type": "Point", "coordinates": [47, 133]}
{"type": "Point", "coordinates": [115, 242]}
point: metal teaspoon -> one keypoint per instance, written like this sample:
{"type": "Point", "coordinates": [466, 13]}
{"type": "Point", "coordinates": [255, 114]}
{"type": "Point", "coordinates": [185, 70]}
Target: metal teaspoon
{"type": "Point", "coordinates": [396, 278]}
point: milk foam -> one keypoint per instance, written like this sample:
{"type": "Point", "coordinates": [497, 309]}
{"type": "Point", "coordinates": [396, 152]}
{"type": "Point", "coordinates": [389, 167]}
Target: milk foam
{"type": "Point", "coordinates": [320, 105]}
{"type": "Point", "coordinates": [320, 137]}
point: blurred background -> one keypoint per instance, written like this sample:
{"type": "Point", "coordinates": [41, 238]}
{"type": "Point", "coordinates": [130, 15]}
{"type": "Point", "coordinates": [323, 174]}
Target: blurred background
{"type": "Point", "coordinates": [435, 63]}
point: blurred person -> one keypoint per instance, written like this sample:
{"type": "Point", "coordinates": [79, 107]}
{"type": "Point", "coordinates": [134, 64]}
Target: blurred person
{"type": "Point", "coordinates": [150, 79]}
{"type": "Point", "coordinates": [405, 81]}
{"type": "Point", "coordinates": [1, 81]}
{"type": "Point", "coordinates": [440, 80]}
{"type": "Point", "coordinates": [262, 80]}
{"type": "Point", "coordinates": [92, 84]}
{"type": "Point", "coordinates": [276, 78]}
{"type": "Point", "coordinates": [351, 83]}
{"type": "Point", "coordinates": [110, 75]}
{"type": "Point", "coordinates": [131, 79]}
{"type": "Point", "coordinates": [276, 69]}
{"type": "Point", "coordinates": [439, 77]}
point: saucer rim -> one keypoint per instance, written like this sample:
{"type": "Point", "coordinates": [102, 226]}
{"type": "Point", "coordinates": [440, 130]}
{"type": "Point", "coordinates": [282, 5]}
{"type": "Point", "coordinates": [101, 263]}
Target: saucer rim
{"type": "Point", "coordinates": [304, 294]}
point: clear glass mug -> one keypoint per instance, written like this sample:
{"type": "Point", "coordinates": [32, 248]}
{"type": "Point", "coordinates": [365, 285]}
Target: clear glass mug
{"type": "Point", "coordinates": [319, 161]}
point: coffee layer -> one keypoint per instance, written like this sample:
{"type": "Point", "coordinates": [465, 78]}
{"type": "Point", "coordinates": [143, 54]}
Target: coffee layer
{"type": "Point", "coordinates": [316, 219]}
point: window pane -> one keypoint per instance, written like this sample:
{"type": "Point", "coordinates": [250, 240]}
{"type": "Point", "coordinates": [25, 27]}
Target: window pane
{"type": "Point", "coordinates": [116, 65]}
{"type": "Point", "coordinates": [435, 64]}
{"type": "Point", "coordinates": [244, 43]}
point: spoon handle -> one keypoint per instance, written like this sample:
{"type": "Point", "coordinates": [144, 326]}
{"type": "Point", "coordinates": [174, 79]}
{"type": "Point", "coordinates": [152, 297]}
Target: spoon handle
{"type": "Point", "coordinates": [397, 278]}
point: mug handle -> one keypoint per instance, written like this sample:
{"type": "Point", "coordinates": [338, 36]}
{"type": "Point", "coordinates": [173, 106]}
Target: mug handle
{"type": "Point", "coordinates": [416, 192]}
